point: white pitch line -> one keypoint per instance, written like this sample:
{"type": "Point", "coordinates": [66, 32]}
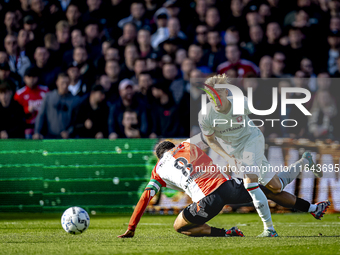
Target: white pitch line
{"type": "Point", "coordinates": [307, 224]}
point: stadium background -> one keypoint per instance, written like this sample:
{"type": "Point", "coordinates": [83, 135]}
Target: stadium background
{"type": "Point", "coordinates": [109, 176]}
{"type": "Point", "coordinates": [290, 41]}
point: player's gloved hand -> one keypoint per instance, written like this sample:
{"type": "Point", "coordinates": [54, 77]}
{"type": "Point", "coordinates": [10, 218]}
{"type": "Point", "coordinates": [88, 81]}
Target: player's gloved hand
{"type": "Point", "coordinates": [127, 234]}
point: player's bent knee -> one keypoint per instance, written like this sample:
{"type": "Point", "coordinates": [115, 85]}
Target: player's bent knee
{"type": "Point", "coordinates": [273, 189]}
{"type": "Point", "coordinates": [274, 185]}
{"type": "Point", "coordinates": [180, 223]}
{"type": "Point", "coordinates": [176, 227]}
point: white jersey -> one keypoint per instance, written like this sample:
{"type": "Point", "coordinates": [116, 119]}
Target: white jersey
{"type": "Point", "coordinates": [187, 168]}
{"type": "Point", "coordinates": [236, 132]}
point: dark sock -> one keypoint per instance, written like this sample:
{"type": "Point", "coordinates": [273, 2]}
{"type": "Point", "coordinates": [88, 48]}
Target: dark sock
{"type": "Point", "coordinates": [301, 205]}
{"type": "Point", "coordinates": [217, 232]}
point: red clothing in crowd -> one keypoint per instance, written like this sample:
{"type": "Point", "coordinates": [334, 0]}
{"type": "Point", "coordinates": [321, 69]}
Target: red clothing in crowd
{"type": "Point", "coordinates": [243, 67]}
{"type": "Point", "coordinates": [31, 98]}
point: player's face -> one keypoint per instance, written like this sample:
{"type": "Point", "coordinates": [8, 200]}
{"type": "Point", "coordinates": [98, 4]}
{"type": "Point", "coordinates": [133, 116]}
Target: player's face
{"type": "Point", "coordinates": [223, 96]}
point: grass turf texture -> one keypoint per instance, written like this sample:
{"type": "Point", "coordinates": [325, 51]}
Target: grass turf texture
{"type": "Point", "coordinates": [43, 234]}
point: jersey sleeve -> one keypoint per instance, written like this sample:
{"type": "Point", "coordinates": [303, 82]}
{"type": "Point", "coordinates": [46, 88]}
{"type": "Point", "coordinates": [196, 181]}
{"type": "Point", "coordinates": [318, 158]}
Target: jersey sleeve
{"type": "Point", "coordinates": [140, 208]}
{"type": "Point", "coordinates": [156, 181]}
{"type": "Point", "coordinates": [150, 191]}
{"type": "Point", "coordinates": [205, 125]}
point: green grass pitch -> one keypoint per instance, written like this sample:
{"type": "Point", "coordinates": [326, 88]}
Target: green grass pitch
{"type": "Point", "coordinates": [43, 234]}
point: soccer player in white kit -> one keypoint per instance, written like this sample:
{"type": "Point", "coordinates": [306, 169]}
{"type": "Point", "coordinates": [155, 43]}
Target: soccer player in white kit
{"type": "Point", "coordinates": [239, 141]}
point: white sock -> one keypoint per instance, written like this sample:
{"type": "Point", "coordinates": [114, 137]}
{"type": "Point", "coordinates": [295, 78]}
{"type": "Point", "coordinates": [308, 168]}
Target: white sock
{"type": "Point", "coordinates": [261, 204]}
{"type": "Point", "coordinates": [292, 173]}
{"type": "Point", "coordinates": [312, 208]}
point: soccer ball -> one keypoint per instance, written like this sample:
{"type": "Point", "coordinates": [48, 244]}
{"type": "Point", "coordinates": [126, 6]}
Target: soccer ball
{"type": "Point", "coordinates": [75, 220]}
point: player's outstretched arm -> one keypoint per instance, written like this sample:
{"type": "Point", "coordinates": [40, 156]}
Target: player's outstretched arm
{"type": "Point", "coordinates": [143, 202]}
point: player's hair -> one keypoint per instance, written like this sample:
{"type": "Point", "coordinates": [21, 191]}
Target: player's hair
{"type": "Point", "coordinates": [217, 79]}
{"type": "Point", "coordinates": [163, 147]}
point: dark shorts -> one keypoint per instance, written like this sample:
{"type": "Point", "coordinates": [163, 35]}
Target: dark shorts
{"type": "Point", "coordinates": [230, 192]}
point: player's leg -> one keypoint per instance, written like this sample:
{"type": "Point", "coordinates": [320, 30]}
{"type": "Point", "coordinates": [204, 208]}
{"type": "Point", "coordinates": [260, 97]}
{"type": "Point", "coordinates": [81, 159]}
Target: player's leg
{"type": "Point", "coordinates": [283, 198]}
{"type": "Point", "coordinates": [274, 185]}
{"type": "Point", "coordinates": [235, 193]}
{"type": "Point", "coordinates": [252, 156]}
{"type": "Point", "coordinates": [183, 226]}
{"type": "Point", "coordinates": [286, 177]}
{"type": "Point", "coordinates": [288, 200]}
{"type": "Point", "coordinates": [191, 221]}
{"type": "Point", "coordinates": [282, 179]}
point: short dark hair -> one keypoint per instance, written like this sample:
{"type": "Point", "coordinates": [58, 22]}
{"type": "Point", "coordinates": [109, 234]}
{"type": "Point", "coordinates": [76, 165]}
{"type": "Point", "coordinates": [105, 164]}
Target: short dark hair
{"type": "Point", "coordinates": [163, 147]}
{"type": "Point", "coordinates": [96, 88]}
{"type": "Point", "coordinates": [146, 73]}
{"type": "Point", "coordinates": [132, 24]}
{"type": "Point", "coordinates": [139, 59]}
{"type": "Point", "coordinates": [62, 75]}
{"type": "Point", "coordinates": [137, 2]}
{"type": "Point", "coordinates": [233, 29]}
{"type": "Point", "coordinates": [214, 31]}
{"type": "Point", "coordinates": [5, 86]}
{"type": "Point", "coordinates": [72, 4]}
{"type": "Point", "coordinates": [77, 29]}
{"type": "Point", "coordinates": [294, 29]}
{"type": "Point", "coordinates": [234, 44]}
{"type": "Point", "coordinates": [130, 110]}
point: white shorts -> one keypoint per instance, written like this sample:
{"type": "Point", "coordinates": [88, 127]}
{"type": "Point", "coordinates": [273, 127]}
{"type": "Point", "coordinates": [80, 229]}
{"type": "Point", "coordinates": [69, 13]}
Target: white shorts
{"type": "Point", "coordinates": [252, 159]}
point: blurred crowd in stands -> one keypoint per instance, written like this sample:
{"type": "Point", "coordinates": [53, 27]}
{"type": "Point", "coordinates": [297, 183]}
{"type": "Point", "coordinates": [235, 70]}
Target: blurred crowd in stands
{"type": "Point", "coordinates": [122, 68]}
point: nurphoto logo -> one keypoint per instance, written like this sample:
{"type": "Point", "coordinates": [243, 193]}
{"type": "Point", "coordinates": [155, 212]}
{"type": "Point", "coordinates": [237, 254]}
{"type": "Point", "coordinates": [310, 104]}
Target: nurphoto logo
{"type": "Point", "coordinates": [238, 103]}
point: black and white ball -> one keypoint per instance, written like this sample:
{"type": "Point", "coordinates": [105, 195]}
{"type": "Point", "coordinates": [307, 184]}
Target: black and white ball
{"type": "Point", "coordinates": [75, 220]}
